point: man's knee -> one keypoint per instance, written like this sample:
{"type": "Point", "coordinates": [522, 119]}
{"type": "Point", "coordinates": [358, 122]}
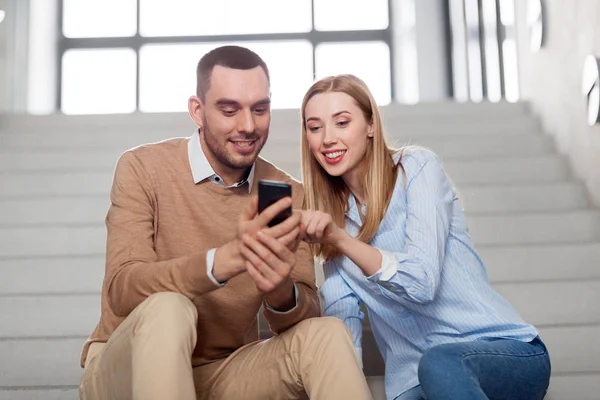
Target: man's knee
{"type": "Point", "coordinates": [323, 328]}
{"type": "Point", "coordinates": [168, 310]}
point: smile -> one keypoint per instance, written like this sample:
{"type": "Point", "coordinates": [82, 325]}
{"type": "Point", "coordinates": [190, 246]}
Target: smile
{"type": "Point", "coordinates": [244, 146]}
{"type": "Point", "coordinates": [334, 157]}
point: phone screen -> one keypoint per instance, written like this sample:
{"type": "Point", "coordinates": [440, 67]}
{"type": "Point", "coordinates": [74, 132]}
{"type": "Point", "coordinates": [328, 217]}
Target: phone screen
{"type": "Point", "coordinates": [270, 192]}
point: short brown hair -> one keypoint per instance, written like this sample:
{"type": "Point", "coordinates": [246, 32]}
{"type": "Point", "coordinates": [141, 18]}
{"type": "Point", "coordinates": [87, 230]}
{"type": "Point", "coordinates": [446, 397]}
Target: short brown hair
{"type": "Point", "coordinates": [235, 57]}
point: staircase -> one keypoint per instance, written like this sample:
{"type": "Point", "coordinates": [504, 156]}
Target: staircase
{"type": "Point", "coordinates": [530, 219]}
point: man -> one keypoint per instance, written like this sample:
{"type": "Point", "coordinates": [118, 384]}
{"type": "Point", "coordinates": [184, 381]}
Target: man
{"type": "Point", "coordinates": [189, 263]}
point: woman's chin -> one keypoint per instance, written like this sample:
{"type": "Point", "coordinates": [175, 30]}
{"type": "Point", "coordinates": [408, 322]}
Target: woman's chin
{"type": "Point", "coordinates": [333, 170]}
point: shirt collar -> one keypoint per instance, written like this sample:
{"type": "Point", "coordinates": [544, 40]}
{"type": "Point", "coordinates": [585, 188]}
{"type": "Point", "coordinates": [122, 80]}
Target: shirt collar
{"type": "Point", "coordinates": [201, 168]}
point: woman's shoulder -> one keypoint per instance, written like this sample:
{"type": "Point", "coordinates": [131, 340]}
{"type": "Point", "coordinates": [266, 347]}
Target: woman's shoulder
{"type": "Point", "coordinates": [413, 158]}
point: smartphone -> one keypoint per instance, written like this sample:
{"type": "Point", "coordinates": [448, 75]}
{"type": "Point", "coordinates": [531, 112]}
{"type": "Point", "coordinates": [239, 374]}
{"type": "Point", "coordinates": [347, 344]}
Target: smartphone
{"type": "Point", "coordinates": [270, 192]}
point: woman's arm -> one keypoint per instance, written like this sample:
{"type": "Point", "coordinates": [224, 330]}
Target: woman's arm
{"type": "Point", "coordinates": [413, 273]}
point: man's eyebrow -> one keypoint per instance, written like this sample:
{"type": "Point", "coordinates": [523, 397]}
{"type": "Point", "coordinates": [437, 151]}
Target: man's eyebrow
{"type": "Point", "coordinates": [263, 102]}
{"type": "Point", "coordinates": [227, 102]}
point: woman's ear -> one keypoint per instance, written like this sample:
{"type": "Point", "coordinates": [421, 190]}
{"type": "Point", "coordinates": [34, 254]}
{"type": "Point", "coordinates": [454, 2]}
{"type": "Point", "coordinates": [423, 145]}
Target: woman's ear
{"type": "Point", "coordinates": [370, 130]}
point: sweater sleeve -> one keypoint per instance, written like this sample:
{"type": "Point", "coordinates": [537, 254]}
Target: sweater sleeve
{"type": "Point", "coordinates": [133, 271]}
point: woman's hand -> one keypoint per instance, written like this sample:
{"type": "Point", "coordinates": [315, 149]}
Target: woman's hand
{"type": "Point", "coordinates": [318, 227]}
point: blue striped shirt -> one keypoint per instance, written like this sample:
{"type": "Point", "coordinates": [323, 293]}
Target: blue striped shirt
{"type": "Point", "coordinates": [432, 287]}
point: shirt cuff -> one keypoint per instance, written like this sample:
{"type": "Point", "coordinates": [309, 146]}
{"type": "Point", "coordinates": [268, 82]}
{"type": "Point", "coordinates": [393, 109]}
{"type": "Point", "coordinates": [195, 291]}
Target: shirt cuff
{"type": "Point", "coordinates": [288, 311]}
{"type": "Point", "coordinates": [210, 264]}
{"type": "Point", "coordinates": [359, 356]}
{"type": "Point", "coordinates": [388, 268]}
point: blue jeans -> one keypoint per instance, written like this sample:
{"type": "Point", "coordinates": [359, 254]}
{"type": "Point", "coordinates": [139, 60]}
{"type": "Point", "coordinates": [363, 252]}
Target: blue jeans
{"type": "Point", "coordinates": [499, 369]}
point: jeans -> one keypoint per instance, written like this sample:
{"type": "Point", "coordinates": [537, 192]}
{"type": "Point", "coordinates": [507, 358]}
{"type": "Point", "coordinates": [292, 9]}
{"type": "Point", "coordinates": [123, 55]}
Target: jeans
{"type": "Point", "coordinates": [500, 369]}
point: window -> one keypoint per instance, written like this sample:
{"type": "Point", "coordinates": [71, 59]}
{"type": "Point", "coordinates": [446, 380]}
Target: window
{"type": "Point", "coordinates": [237, 17]}
{"type": "Point", "coordinates": [167, 72]}
{"type": "Point", "coordinates": [98, 81]}
{"type": "Point", "coordinates": [99, 18]}
{"type": "Point", "coordinates": [484, 50]}
{"type": "Point", "coordinates": [121, 56]}
{"type": "Point", "coordinates": [348, 15]}
{"type": "Point", "coordinates": [370, 61]}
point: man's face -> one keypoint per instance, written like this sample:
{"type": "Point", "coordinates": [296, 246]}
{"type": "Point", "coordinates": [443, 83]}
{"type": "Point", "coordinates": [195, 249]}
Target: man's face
{"type": "Point", "coordinates": [234, 116]}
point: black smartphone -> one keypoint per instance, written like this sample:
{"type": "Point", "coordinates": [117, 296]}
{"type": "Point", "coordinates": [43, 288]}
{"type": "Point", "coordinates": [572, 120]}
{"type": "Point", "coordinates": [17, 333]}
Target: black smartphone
{"type": "Point", "coordinates": [270, 192]}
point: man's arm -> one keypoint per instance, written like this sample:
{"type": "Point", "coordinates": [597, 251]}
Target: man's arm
{"type": "Point", "coordinates": [283, 270]}
{"type": "Point", "coordinates": [307, 303]}
{"type": "Point", "coordinates": [133, 271]}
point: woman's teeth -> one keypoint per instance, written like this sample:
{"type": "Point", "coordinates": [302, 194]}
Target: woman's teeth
{"type": "Point", "coordinates": [335, 155]}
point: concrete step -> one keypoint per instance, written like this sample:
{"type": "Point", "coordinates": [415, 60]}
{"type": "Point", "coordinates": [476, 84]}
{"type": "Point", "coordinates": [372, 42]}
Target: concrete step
{"type": "Point", "coordinates": [89, 239]}
{"type": "Point", "coordinates": [490, 112]}
{"type": "Point", "coordinates": [576, 387]}
{"type": "Point", "coordinates": [45, 275]}
{"type": "Point", "coordinates": [557, 303]}
{"type": "Point", "coordinates": [504, 264]}
{"type": "Point", "coordinates": [50, 316]}
{"type": "Point", "coordinates": [145, 129]}
{"type": "Point", "coordinates": [543, 262]}
{"type": "Point", "coordinates": [40, 362]}
{"type": "Point", "coordinates": [539, 169]}
{"type": "Point", "coordinates": [556, 196]}
{"type": "Point", "coordinates": [492, 171]}
{"type": "Point", "coordinates": [35, 184]}
{"type": "Point", "coordinates": [550, 168]}
{"type": "Point", "coordinates": [70, 135]}
{"type": "Point", "coordinates": [52, 362]}
{"type": "Point", "coordinates": [573, 350]}
{"type": "Point", "coordinates": [280, 148]}
{"type": "Point", "coordinates": [536, 228]}
{"type": "Point", "coordinates": [562, 387]}
{"type": "Point", "coordinates": [477, 200]}
{"type": "Point", "coordinates": [52, 241]}
{"type": "Point", "coordinates": [63, 393]}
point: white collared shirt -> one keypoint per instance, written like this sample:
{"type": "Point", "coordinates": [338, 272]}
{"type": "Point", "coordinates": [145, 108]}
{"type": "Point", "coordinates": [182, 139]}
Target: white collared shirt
{"type": "Point", "coordinates": [201, 168]}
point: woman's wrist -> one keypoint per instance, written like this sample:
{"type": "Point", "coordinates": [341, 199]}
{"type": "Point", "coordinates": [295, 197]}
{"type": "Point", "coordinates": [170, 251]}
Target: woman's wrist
{"type": "Point", "coordinates": [341, 240]}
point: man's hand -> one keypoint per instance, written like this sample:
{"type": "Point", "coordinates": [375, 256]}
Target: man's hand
{"type": "Point", "coordinates": [269, 262]}
{"type": "Point", "coordinates": [229, 261]}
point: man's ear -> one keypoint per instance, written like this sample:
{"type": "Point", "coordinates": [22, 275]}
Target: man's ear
{"type": "Point", "coordinates": [195, 108]}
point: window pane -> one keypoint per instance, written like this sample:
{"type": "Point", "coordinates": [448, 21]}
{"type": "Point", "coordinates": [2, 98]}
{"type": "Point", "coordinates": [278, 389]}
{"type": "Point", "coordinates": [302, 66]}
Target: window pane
{"type": "Point", "coordinates": [98, 81]}
{"type": "Point", "coordinates": [370, 61]}
{"type": "Point", "coordinates": [99, 18]}
{"type": "Point", "coordinates": [351, 15]}
{"type": "Point", "coordinates": [168, 72]}
{"type": "Point", "coordinates": [193, 17]}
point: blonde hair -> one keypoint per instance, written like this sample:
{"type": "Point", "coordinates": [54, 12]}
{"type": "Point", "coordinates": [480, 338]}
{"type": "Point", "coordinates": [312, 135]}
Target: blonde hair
{"type": "Point", "coordinates": [330, 194]}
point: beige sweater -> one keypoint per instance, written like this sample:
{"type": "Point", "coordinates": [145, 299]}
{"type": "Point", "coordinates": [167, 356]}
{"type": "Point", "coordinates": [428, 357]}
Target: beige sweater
{"type": "Point", "coordinates": [160, 226]}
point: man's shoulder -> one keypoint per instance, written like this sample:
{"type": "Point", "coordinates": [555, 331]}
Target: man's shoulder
{"type": "Point", "coordinates": [156, 153]}
{"type": "Point", "coordinates": [148, 150]}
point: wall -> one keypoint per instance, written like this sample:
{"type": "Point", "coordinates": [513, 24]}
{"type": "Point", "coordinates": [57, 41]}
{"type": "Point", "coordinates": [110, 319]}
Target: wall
{"type": "Point", "coordinates": [13, 56]}
{"type": "Point", "coordinates": [551, 81]}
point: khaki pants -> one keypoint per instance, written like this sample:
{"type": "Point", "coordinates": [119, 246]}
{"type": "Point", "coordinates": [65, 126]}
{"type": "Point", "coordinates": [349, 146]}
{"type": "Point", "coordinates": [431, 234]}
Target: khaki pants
{"type": "Point", "coordinates": [148, 357]}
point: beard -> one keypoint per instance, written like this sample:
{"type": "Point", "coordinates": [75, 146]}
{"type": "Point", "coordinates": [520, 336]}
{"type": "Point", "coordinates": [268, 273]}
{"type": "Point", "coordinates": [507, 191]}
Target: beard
{"type": "Point", "coordinates": [220, 152]}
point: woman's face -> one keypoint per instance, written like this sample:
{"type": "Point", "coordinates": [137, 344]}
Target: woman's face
{"type": "Point", "coordinates": [337, 132]}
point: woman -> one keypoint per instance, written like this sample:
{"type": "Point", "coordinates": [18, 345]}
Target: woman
{"type": "Point", "coordinates": [390, 230]}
